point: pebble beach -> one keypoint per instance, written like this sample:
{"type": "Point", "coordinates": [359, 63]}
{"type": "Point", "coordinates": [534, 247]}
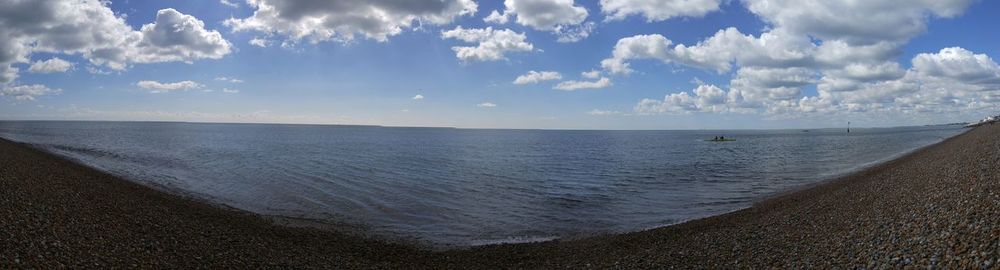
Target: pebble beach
{"type": "Point", "coordinates": [938, 206]}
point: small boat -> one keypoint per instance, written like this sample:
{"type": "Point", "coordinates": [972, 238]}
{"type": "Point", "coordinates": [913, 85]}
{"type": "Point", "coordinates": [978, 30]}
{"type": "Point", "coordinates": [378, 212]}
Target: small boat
{"type": "Point", "coordinates": [721, 140]}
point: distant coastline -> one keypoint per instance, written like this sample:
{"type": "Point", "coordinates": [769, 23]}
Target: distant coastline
{"type": "Point", "coordinates": [473, 128]}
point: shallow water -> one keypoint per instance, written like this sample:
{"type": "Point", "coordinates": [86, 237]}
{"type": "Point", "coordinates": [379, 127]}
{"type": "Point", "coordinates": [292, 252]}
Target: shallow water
{"type": "Point", "coordinates": [459, 187]}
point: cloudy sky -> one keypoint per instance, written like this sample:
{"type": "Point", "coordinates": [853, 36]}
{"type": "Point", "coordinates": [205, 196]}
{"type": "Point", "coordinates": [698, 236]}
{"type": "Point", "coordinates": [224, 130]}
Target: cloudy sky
{"type": "Point", "coordinates": [607, 64]}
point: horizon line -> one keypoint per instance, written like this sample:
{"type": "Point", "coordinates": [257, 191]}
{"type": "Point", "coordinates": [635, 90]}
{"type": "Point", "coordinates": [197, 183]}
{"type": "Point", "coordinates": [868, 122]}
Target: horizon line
{"type": "Point", "coordinates": [466, 128]}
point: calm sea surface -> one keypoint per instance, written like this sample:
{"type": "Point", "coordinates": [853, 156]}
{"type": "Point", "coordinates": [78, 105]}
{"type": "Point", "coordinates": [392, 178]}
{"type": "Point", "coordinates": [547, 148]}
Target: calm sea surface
{"type": "Point", "coordinates": [459, 187]}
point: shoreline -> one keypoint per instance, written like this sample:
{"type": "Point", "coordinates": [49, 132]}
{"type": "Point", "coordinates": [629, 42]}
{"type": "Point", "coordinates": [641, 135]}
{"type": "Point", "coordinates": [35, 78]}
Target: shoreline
{"type": "Point", "coordinates": [949, 236]}
{"type": "Point", "coordinates": [859, 169]}
{"type": "Point", "coordinates": [63, 224]}
{"type": "Point", "coordinates": [824, 180]}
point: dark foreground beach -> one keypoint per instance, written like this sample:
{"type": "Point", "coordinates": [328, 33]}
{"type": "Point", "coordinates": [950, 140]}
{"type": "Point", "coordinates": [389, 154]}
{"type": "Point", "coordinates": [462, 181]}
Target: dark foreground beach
{"type": "Point", "coordinates": [937, 206]}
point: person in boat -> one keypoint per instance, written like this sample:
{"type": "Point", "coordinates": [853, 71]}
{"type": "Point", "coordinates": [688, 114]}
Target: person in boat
{"type": "Point", "coordinates": [716, 138]}
{"type": "Point", "coordinates": [722, 138]}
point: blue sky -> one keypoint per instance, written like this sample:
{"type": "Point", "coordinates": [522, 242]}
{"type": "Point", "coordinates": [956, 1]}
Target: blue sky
{"type": "Point", "coordinates": [358, 79]}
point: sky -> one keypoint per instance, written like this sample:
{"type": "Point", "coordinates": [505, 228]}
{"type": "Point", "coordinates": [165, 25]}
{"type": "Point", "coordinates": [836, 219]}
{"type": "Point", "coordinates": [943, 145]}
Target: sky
{"type": "Point", "coordinates": [551, 64]}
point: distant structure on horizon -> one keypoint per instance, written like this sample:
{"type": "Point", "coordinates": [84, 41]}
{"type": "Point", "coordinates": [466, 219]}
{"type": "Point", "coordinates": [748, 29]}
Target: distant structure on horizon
{"type": "Point", "coordinates": [987, 120]}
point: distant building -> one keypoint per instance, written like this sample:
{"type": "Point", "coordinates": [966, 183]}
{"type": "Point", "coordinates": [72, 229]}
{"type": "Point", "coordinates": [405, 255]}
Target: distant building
{"type": "Point", "coordinates": [987, 120]}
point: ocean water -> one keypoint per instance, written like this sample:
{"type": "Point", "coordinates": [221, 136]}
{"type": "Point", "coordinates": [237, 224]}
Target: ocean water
{"type": "Point", "coordinates": [462, 187]}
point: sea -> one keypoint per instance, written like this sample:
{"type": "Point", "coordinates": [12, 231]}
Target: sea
{"type": "Point", "coordinates": [447, 187]}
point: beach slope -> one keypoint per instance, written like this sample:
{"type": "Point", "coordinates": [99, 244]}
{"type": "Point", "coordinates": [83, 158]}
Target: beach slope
{"type": "Point", "coordinates": [936, 206]}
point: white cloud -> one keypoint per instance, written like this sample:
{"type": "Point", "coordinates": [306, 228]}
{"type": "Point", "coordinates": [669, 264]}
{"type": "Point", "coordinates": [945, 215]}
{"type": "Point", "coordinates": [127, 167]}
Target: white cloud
{"type": "Point", "coordinates": [228, 79]}
{"type": "Point", "coordinates": [418, 97]}
{"type": "Point", "coordinates": [867, 72]}
{"type": "Point", "coordinates": [854, 75]}
{"type": "Point", "coordinates": [230, 91]}
{"type": "Point", "coordinates": [50, 66]}
{"type": "Point", "coordinates": [98, 71]}
{"type": "Point", "coordinates": [158, 87]}
{"type": "Point", "coordinates": [259, 42]}
{"type": "Point", "coordinates": [705, 98]}
{"type": "Point", "coordinates": [760, 84]}
{"type": "Point", "coordinates": [229, 3]}
{"type": "Point", "coordinates": [179, 37]}
{"type": "Point", "coordinates": [838, 53]}
{"type": "Point", "coordinates": [658, 10]}
{"type": "Point", "coordinates": [486, 105]}
{"type": "Point", "coordinates": [719, 52]}
{"type": "Point", "coordinates": [536, 77]}
{"type": "Point", "coordinates": [561, 17]}
{"type": "Point", "coordinates": [545, 15]}
{"type": "Point", "coordinates": [604, 82]}
{"type": "Point", "coordinates": [953, 80]}
{"type": "Point", "coordinates": [27, 92]}
{"type": "Point", "coordinates": [492, 44]}
{"type": "Point", "coordinates": [574, 33]}
{"type": "Point", "coordinates": [593, 74]}
{"type": "Point", "coordinates": [497, 18]}
{"type": "Point", "coordinates": [599, 112]}
{"type": "Point", "coordinates": [341, 20]}
{"type": "Point", "coordinates": [90, 29]}
{"type": "Point", "coordinates": [653, 46]}
{"type": "Point", "coordinates": [959, 64]}
{"type": "Point", "coordinates": [848, 50]}
{"type": "Point", "coordinates": [855, 22]}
